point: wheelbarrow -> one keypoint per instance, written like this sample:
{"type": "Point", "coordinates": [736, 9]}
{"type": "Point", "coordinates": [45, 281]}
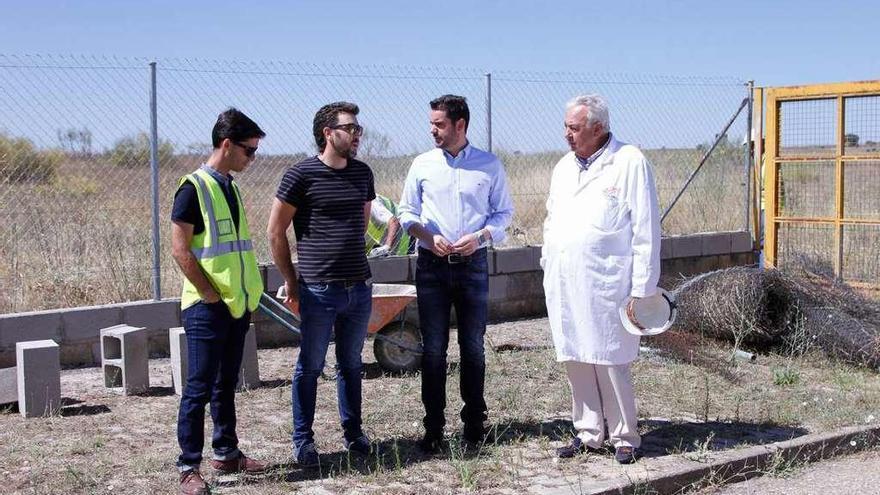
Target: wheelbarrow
{"type": "Point", "coordinates": [397, 344]}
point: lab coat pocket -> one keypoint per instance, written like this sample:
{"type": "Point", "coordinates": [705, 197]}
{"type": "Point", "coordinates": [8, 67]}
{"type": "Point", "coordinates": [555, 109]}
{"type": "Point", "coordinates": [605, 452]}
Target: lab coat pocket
{"type": "Point", "coordinates": [605, 214]}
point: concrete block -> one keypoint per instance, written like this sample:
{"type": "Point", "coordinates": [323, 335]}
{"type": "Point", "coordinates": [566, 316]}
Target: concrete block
{"type": "Point", "coordinates": [515, 260]}
{"type": "Point", "coordinates": [686, 246]}
{"type": "Point", "coordinates": [35, 325]}
{"type": "Point", "coordinates": [8, 385]}
{"type": "Point", "coordinates": [498, 287]}
{"type": "Point", "coordinates": [716, 243]}
{"type": "Point", "coordinates": [153, 315]}
{"type": "Point", "coordinates": [39, 378]}
{"type": "Point", "coordinates": [490, 261]}
{"type": "Point", "coordinates": [179, 358]}
{"type": "Point", "coordinates": [124, 358]}
{"type": "Point", "coordinates": [273, 279]}
{"type": "Point", "coordinates": [390, 269]}
{"type": "Point", "coordinates": [412, 268]}
{"type": "Point", "coordinates": [741, 242]}
{"type": "Point", "coordinates": [7, 358]}
{"type": "Point", "coordinates": [249, 374]}
{"type": "Point", "coordinates": [86, 323]}
{"type": "Point", "coordinates": [666, 248]}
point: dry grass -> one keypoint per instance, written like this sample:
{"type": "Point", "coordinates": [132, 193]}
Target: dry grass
{"type": "Point", "coordinates": [693, 401]}
{"type": "Point", "coordinates": [86, 238]}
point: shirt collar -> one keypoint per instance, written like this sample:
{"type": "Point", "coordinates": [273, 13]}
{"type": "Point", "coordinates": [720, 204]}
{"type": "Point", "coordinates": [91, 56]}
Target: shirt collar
{"type": "Point", "coordinates": [586, 162]}
{"type": "Point", "coordinates": [461, 154]}
{"type": "Point", "coordinates": [224, 180]}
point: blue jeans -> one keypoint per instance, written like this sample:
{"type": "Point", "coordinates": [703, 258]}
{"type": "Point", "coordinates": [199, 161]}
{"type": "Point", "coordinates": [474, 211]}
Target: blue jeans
{"type": "Point", "coordinates": [441, 286]}
{"type": "Point", "coordinates": [214, 345]}
{"type": "Point", "coordinates": [326, 308]}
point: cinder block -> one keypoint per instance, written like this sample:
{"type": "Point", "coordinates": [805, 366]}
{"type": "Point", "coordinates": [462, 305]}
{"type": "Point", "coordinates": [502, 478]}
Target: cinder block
{"type": "Point", "coordinates": [86, 323]}
{"type": "Point", "coordinates": [125, 359]}
{"type": "Point", "coordinates": [273, 279]}
{"type": "Point", "coordinates": [153, 315]}
{"type": "Point", "coordinates": [498, 287]}
{"type": "Point", "coordinates": [391, 269]}
{"type": "Point", "coordinates": [179, 358]}
{"type": "Point", "coordinates": [35, 325]}
{"type": "Point", "coordinates": [39, 378]}
{"type": "Point", "coordinates": [741, 242]}
{"type": "Point", "coordinates": [249, 374]}
{"type": "Point", "coordinates": [413, 262]}
{"type": "Point", "coordinates": [716, 243]}
{"type": "Point", "coordinates": [687, 246]}
{"type": "Point", "coordinates": [666, 248]}
{"type": "Point", "coordinates": [515, 260]}
{"type": "Point", "coordinates": [8, 385]}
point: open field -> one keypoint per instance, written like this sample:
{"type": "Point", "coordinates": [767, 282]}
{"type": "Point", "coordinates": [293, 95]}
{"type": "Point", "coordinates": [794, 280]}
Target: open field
{"type": "Point", "coordinates": [85, 237]}
{"type": "Point", "coordinates": [694, 401]}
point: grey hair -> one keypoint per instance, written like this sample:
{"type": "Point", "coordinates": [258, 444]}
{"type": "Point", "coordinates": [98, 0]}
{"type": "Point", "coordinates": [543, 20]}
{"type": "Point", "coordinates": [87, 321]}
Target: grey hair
{"type": "Point", "coordinates": [597, 109]}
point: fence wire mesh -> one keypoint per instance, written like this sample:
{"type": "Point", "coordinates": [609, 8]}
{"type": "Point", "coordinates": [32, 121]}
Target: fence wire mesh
{"type": "Point", "coordinates": [75, 159]}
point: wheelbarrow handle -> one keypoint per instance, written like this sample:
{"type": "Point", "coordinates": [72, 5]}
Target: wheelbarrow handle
{"type": "Point", "coordinates": [264, 298]}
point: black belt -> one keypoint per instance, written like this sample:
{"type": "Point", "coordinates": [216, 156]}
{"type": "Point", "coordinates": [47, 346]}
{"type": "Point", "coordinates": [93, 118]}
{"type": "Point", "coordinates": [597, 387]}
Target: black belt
{"type": "Point", "coordinates": [453, 258]}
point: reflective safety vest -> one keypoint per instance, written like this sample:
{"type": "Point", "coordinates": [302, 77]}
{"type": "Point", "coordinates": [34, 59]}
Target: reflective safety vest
{"type": "Point", "coordinates": [376, 231]}
{"type": "Point", "coordinates": [225, 256]}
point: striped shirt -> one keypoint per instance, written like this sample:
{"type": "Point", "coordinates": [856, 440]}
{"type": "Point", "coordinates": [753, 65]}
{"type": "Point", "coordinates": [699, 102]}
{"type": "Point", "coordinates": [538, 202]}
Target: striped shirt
{"type": "Point", "coordinates": [329, 220]}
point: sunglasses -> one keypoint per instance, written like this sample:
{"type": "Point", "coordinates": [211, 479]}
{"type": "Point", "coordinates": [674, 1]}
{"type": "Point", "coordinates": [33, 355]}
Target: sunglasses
{"type": "Point", "coordinates": [248, 150]}
{"type": "Point", "coordinates": [353, 129]}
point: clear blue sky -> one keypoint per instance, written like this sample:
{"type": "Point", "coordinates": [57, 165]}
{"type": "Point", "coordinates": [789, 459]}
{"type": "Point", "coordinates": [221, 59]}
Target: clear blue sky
{"type": "Point", "coordinates": [772, 42]}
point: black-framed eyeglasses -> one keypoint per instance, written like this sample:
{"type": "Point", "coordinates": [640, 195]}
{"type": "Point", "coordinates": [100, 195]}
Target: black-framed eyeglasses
{"type": "Point", "coordinates": [248, 150]}
{"type": "Point", "coordinates": [353, 129]}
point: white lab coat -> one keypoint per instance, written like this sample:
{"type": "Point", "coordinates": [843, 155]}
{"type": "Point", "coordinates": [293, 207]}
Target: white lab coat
{"type": "Point", "coordinates": [601, 246]}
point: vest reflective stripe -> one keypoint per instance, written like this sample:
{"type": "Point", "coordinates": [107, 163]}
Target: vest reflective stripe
{"type": "Point", "coordinates": [230, 264]}
{"type": "Point", "coordinates": [223, 248]}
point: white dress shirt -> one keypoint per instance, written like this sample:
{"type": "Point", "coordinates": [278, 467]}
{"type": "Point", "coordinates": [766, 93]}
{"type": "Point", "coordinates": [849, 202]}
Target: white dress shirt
{"type": "Point", "coordinates": [455, 196]}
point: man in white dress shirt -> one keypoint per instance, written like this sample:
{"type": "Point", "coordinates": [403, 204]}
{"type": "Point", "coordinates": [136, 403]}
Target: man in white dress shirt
{"type": "Point", "coordinates": [456, 203]}
{"type": "Point", "coordinates": [601, 249]}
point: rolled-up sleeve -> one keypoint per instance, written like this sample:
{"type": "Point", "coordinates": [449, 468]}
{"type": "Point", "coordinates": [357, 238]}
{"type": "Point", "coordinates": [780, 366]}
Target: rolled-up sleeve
{"type": "Point", "coordinates": [501, 206]}
{"type": "Point", "coordinates": [645, 215]}
{"type": "Point", "coordinates": [410, 209]}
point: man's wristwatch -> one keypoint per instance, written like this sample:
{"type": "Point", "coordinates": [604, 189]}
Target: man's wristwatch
{"type": "Point", "coordinates": [481, 237]}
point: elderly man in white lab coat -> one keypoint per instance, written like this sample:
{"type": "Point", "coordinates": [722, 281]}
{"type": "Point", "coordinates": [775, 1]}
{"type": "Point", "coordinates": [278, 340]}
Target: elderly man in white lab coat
{"type": "Point", "coordinates": [601, 249]}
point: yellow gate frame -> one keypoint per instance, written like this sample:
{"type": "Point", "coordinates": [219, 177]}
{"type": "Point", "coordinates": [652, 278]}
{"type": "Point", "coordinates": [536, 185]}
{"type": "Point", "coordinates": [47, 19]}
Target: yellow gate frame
{"type": "Point", "coordinates": [774, 97]}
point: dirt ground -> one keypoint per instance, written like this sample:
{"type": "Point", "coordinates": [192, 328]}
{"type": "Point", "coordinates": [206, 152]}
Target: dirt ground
{"type": "Point", "coordinates": [694, 400]}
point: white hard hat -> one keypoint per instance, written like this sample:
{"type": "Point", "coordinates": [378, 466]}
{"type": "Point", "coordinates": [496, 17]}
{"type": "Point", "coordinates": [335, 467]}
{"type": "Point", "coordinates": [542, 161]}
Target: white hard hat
{"type": "Point", "coordinates": [650, 315]}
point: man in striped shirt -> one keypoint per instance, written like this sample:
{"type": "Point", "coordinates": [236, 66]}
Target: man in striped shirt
{"type": "Point", "coordinates": [327, 198]}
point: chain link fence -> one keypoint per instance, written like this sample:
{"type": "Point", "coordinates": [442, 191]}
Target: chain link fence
{"type": "Point", "coordinates": [75, 177]}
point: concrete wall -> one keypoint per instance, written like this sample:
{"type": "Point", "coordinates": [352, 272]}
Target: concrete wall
{"type": "Point", "coordinates": [515, 291]}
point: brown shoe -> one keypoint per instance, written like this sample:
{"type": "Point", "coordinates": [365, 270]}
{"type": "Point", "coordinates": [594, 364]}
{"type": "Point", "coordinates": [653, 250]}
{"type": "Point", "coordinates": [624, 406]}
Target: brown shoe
{"type": "Point", "coordinates": [241, 464]}
{"type": "Point", "coordinates": [191, 483]}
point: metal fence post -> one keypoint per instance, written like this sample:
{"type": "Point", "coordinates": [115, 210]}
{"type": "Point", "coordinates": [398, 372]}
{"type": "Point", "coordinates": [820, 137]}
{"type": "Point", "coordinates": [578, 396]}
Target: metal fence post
{"type": "Point", "coordinates": [489, 110]}
{"type": "Point", "coordinates": [154, 183]}
{"type": "Point", "coordinates": [747, 165]}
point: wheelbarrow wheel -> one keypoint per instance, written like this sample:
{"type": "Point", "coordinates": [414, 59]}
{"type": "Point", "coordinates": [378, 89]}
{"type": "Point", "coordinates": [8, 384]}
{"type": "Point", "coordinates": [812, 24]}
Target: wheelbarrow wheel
{"type": "Point", "coordinates": [393, 357]}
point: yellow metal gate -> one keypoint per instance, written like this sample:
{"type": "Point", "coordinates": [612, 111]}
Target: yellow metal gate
{"type": "Point", "coordinates": [822, 179]}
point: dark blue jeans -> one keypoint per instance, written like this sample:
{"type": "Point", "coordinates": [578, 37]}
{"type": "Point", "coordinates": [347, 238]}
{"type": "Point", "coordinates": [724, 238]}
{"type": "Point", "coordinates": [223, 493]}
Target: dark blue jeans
{"type": "Point", "coordinates": [342, 308]}
{"type": "Point", "coordinates": [214, 345]}
{"type": "Point", "coordinates": [442, 286]}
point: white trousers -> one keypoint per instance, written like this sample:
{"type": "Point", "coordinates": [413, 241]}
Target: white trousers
{"type": "Point", "coordinates": [603, 394]}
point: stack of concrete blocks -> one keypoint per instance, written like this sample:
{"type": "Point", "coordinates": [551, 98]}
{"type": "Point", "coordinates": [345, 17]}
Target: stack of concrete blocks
{"type": "Point", "coordinates": [248, 375]}
{"type": "Point", "coordinates": [125, 358]}
{"type": "Point", "coordinates": [38, 377]}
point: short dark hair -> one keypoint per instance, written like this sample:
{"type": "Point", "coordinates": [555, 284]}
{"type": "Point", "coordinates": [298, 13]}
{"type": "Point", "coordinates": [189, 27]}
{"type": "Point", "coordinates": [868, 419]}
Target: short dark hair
{"type": "Point", "coordinates": [232, 124]}
{"type": "Point", "coordinates": [456, 108]}
{"type": "Point", "coordinates": [328, 116]}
